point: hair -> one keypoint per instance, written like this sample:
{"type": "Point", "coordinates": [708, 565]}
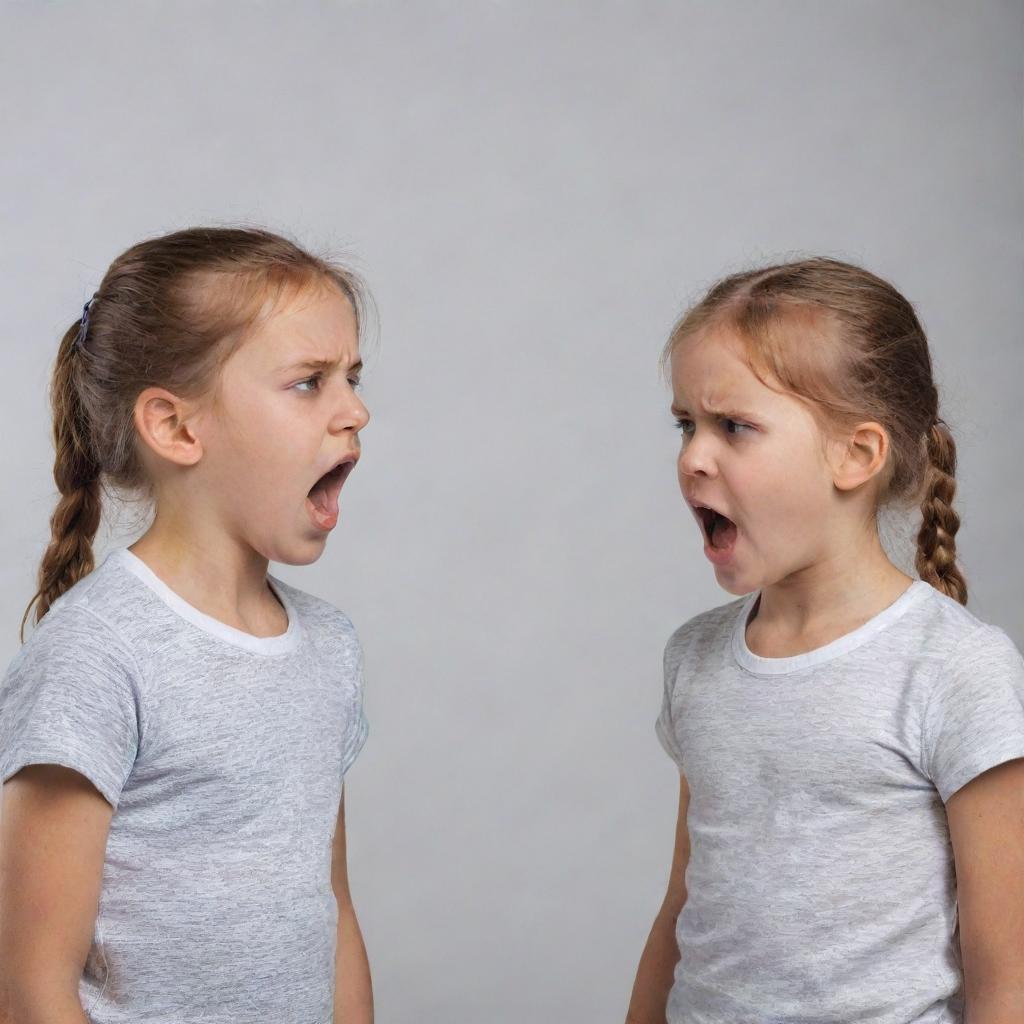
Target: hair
{"type": "Point", "coordinates": [850, 346]}
{"type": "Point", "coordinates": [168, 313]}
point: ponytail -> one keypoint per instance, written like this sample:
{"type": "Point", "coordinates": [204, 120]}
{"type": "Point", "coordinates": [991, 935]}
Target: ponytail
{"type": "Point", "coordinates": [936, 543]}
{"type": "Point", "coordinates": [76, 519]}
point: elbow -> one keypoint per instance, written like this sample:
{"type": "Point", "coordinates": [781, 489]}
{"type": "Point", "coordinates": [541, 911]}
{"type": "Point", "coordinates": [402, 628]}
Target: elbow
{"type": "Point", "coordinates": [675, 900]}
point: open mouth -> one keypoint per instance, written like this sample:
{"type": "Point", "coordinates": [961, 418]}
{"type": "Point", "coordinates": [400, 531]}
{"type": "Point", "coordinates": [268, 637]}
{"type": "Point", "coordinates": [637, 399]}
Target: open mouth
{"type": "Point", "coordinates": [720, 530]}
{"type": "Point", "coordinates": [323, 495]}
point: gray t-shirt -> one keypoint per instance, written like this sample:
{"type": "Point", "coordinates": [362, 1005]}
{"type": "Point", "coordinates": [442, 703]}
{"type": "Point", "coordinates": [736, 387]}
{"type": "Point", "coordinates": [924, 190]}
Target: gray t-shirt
{"type": "Point", "coordinates": [223, 755]}
{"type": "Point", "coordinates": [821, 885]}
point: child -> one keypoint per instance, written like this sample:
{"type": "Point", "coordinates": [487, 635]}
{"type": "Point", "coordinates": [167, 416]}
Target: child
{"type": "Point", "coordinates": [174, 735]}
{"type": "Point", "coordinates": [828, 725]}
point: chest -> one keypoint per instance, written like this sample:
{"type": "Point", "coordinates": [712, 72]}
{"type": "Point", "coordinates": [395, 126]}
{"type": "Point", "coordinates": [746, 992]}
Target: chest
{"type": "Point", "coordinates": [246, 745]}
{"type": "Point", "coordinates": [795, 749]}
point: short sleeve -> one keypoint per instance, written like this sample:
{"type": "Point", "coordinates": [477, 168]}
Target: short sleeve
{"type": "Point", "coordinates": [664, 726]}
{"type": "Point", "coordinates": [358, 727]}
{"type": "Point", "coordinates": [357, 735]}
{"type": "Point", "coordinates": [974, 719]}
{"type": "Point", "coordinates": [69, 697]}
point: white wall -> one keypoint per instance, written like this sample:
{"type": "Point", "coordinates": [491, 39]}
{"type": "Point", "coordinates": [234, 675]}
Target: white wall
{"type": "Point", "coordinates": [533, 192]}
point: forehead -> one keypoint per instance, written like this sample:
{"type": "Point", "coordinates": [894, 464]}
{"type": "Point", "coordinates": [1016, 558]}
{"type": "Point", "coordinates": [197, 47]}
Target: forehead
{"type": "Point", "coordinates": [711, 368]}
{"type": "Point", "coordinates": [315, 323]}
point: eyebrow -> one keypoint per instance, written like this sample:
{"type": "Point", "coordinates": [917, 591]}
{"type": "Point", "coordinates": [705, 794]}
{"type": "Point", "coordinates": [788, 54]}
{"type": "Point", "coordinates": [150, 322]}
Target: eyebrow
{"type": "Point", "coordinates": [320, 364]}
{"type": "Point", "coordinates": [728, 413]}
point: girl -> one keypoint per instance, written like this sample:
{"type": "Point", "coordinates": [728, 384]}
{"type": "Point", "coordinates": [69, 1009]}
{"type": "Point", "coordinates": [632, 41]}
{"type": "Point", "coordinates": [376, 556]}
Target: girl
{"type": "Point", "coordinates": [174, 735]}
{"type": "Point", "coordinates": [827, 726]}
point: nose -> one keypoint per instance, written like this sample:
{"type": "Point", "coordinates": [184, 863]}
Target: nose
{"type": "Point", "coordinates": [351, 414]}
{"type": "Point", "coordinates": [695, 457]}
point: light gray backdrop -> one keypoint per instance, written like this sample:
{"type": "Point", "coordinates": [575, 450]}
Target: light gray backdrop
{"type": "Point", "coordinates": [533, 191]}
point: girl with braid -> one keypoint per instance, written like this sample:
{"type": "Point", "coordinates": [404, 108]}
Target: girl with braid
{"type": "Point", "coordinates": [175, 733]}
{"type": "Point", "coordinates": [849, 739]}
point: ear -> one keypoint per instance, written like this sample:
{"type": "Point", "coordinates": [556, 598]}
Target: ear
{"type": "Point", "coordinates": [163, 423]}
{"type": "Point", "coordinates": [862, 456]}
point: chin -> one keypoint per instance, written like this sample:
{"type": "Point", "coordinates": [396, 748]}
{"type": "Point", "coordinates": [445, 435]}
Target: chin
{"type": "Point", "coordinates": [736, 584]}
{"type": "Point", "coordinates": [736, 589]}
{"type": "Point", "coordinates": [297, 554]}
{"type": "Point", "coordinates": [308, 559]}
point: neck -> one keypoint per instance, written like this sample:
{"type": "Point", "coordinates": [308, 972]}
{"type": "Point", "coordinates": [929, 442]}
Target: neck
{"type": "Point", "coordinates": [843, 588]}
{"type": "Point", "coordinates": [225, 580]}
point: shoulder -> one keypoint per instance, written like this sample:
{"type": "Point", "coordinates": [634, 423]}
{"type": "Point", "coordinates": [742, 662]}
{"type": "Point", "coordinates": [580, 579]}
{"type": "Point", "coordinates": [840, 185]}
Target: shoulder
{"type": "Point", "coordinates": [706, 631]}
{"type": "Point", "coordinates": [977, 668]}
{"type": "Point", "coordinates": [109, 606]}
{"type": "Point", "coordinates": [973, 714]}
{"type": "Point", "coordinates": [72, 666]}
{"type": "Point", "coordinates": [73, 695]}
{"type": "Point", "coordinates": [986, 650]}
{"type": "Point", "coordinates": [75, 632]}
{"type": "Point", "coordinates": [318, 615]}
{"type": "Point", "coordinates": [979, 671]}
{"type": "Point", "coordinates": [957, 637]}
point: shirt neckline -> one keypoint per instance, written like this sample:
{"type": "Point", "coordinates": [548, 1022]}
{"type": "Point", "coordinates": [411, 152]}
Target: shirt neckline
{"type": "Point", "coordinates": [841, 645]}
{"type": "Point", "coordinates": [279, 644]}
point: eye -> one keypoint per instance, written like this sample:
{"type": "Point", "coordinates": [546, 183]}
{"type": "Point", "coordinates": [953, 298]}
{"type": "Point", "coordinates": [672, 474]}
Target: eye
{"type": "Point", "coordinates": [356, 383]}
{"type": "Point", "coordinates": [686, 427]}
{"type": "Point", "coordinates": [316, 377]}
{"type": "Point", "coordinates": [742, 426]}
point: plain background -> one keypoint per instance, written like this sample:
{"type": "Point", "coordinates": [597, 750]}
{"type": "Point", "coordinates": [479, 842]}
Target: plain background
{"type": "Point", "coordinates": [533, 191]}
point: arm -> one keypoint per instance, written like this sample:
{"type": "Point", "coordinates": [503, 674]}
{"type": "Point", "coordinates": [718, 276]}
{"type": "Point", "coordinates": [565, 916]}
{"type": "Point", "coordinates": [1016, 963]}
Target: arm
{"type": "Point", "coordinates": [986, 827]}
{"type": "Point", "coordinates": [53, 837]}
{"type": "Point", "coordinates": [661, 954]}
{"type": "Point", "coordinates": [353, 992]}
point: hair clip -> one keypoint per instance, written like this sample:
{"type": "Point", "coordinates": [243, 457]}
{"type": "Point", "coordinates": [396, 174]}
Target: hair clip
{"type": "Point", "coordinates": [84, 326]}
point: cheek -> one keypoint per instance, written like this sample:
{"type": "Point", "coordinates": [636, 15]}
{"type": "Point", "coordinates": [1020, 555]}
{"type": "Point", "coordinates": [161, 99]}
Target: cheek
{"type": "Point", "coordinates": [790, 503]}
{"type": "Point", "coordinates": [763, 487]}
{"type": "Point", "coordinates": [273, 426]}
{"type": "Point", "coordinates": [258, 449]}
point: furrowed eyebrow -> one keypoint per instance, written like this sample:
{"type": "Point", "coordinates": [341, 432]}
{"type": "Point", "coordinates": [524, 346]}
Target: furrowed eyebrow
{"type": "Point", "coordinates": [738, 414]}
{"type": "Point", "coordinates": [320, 364]}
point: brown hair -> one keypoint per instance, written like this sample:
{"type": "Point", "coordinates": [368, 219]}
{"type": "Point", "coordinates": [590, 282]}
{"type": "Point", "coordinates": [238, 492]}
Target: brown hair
{"type": "Point", "coordinates": [168, 313]}
{"type": "Point", "coordinates": [849, 346]}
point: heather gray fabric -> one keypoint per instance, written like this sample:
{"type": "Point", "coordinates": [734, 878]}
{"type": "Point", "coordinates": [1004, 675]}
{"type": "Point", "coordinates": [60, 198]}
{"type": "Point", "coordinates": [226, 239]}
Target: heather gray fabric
{"type": "Point", "coordinates": [223, 755]}
{"type": "Point", "coordinates": [821, 884]}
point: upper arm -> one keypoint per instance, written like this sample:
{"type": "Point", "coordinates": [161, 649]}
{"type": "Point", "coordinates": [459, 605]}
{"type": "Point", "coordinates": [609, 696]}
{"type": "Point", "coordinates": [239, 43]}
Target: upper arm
{"type": "Point", "coordinates": [53, 837]}
{"type": "Point", "coordinates": [676, 895]}
{"type": "Point", "coordinates": [986, 827]}
{"type": "Point", "coordinates": [339, 863]}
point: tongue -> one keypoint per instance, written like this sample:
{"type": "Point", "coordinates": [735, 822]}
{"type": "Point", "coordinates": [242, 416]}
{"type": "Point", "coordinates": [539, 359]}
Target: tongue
{"type": "Point", "coordinates": [324, 500]}
{"type": "Point", "coordinates": [723, 533]}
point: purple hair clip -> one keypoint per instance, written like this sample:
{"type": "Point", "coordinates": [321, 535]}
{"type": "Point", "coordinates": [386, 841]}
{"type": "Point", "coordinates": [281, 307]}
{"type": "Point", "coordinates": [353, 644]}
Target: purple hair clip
{"type": "Point", "coordinates": [84, 326]}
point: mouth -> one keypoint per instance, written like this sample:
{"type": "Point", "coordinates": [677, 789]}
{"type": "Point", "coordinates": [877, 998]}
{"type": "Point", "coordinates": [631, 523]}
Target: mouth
{"type": "Point", "coordinates": [719, 530]}
{"type": "Point", "coordinates": [323, 495]}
